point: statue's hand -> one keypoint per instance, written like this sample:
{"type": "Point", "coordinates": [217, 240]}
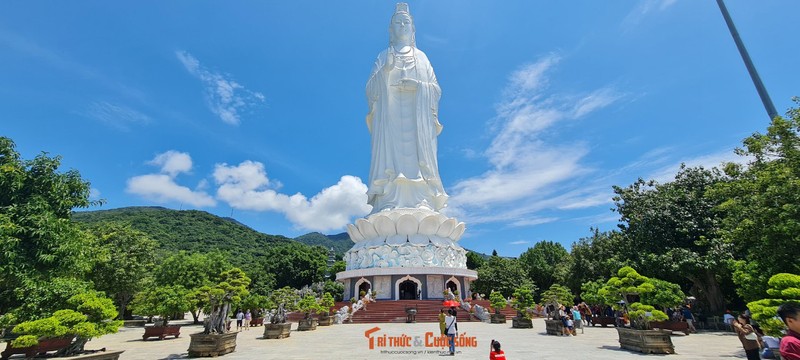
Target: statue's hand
{"type": "Point", "coordinates": [389, 64]}
{"type": "Point", "coordinates": [408, 84]}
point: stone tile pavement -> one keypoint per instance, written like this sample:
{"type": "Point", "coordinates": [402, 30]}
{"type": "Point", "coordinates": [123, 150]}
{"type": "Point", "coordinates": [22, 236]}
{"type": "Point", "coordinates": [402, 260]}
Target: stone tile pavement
{"type": "Point", "coordinates": [349, 342]}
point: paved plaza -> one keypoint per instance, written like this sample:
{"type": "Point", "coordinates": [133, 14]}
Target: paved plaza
{"type": "Point", "coordinates": [349, 342]}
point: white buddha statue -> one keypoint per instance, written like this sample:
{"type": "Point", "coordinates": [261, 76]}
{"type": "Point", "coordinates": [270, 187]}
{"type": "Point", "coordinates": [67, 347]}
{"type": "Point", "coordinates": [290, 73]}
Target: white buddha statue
{"type": "Point", "coordinates": [403, 97]}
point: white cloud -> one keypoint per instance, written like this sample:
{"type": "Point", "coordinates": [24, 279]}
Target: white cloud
{"type": "Point", "coordinates": [173, 162]}
{"type": "Point", "coordinates": [519, 242]}
{"type": "Point", "coordinates": [642, 9]}
{"type": "Point", "coordinates": [225, 97]}
{"type": "Point", "coordinates": [247, 187]}
{"type": "Point", "coordinates": [528, 168]}
{"type": "Point", "coordinates": [667, 173]}
{"type": "Point", "coordinates": [117, 116]}
{"type": "Point", "coordinates": [163, 188]}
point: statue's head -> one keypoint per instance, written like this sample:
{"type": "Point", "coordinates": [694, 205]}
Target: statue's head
{"type": "Point", "coordinates": [401, 27]}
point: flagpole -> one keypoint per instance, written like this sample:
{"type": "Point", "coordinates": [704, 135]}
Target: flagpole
{"type": "Point", "coordinates": [762, 91]}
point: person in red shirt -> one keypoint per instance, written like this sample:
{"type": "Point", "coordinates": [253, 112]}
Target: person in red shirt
{"type": "Point", "coordinates": [790, 344]}
{"type": "Point", "coordinates": [495, 353]}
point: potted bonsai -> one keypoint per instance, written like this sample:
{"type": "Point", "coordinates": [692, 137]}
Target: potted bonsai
{"type": "Point", "coordinates": [498, 302]}
{"type": "Point", "coordinates": [523, 299]}
{"type": "Point", "coordinates": [163, 301]}
{"type": "Point", "coordinates": [783, 288]}
{"type": "Point", "coordinates": [665, 295]}
{"type": "Point", "coordinates": [554, 297]}
{"type": "Point", "coordinates": [216, 338]}
{"type": "Point", "coordinates": [624, 286]}
{"type": "Point", "coordinates": [308, 305]}
{"type": "Point", "coordinates": [326, 302]}
{"type": "Point", "coordinates": [67, 331]}
{"type": "Point", "coordinates": [281, 301]}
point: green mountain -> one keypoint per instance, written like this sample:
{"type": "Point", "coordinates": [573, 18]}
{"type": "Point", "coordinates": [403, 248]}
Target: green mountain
{"type": "Point", "coordinates": [339, 242]}
{"type": "Point", "coordinates": [190, 230]}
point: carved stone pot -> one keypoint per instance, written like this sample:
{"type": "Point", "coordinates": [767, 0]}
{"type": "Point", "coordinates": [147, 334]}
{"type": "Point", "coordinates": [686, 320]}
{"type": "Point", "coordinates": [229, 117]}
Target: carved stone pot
{"type": "Point", "coordinates": [307, 324]}
{"type": "Point", "coordinates": [277, 331]}
{"type": "Point", "coordinates": [554, 327]}
{"type": "Point", "coordinates": [100, 355]}
{"type": "Point", "coordinates": [646, 341]}
{"type": "Point", "coordinates": [325, 320]}
{"type": "Point", "coordinates": [212, 345]}
{"type": "Point", "coordinates": [498, 319]}
{"type": "Point", "coordinates": [520, 322]}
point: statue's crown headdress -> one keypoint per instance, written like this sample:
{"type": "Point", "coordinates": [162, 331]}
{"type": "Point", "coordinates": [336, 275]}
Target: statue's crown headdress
{"type": "Point", "coordinates": [402, 8]}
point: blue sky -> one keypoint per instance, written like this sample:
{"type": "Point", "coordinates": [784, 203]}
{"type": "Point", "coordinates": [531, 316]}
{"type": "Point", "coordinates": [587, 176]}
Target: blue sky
{"type": "Point", "coordinates": [256, 108]}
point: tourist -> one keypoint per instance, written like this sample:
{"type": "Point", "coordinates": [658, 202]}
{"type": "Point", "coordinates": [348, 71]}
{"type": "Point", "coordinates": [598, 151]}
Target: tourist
{"type": "Point", "coordinates": [570, 325]}
{"type": "Point", "coordinates": [494, 351]}
{"type": "Point", "coordinates": [790, 344]}
{"type": "Point", "coordinates": [247, 318]}
{"type": "Point", "coordinates": [748, 337]}
{"type": "Point", "coordinates": [687, 315]}
{"type": "Point", "coordinates": [767, 344]}
{"type": "Point", "coordinates": [239, 319]}
{"type": "Point", "coordinates": [576, 315]}
{"type": "Point", "coordinates": [441, 322]}
{"type": "Point", "coordinates": [728, 319]}
{"type": "Point", "coordinates": [451, 329]}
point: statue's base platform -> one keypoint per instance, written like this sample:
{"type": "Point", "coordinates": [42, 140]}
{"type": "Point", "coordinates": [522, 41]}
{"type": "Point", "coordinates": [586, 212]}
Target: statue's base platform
{"type": "Point", "coordinates": [407, 283]}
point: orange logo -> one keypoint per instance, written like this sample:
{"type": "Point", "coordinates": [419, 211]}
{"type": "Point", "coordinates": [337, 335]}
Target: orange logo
{"type": "Point", "coordinates": [371, 339]}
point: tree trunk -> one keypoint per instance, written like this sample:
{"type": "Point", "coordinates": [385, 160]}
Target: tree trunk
{"type": "Point", "coordinates": [195, 316]}
{"type": "Point", "coordinates": [75, 348]}
{"type": "Point", "coordinates": [708, 288]}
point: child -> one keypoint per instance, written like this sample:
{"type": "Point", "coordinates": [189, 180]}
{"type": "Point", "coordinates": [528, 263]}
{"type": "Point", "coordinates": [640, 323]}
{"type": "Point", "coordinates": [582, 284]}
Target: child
{"type": "Point", "coordinates": [570, 326]}
{"type": "Point", "coordinates": [494, 351]}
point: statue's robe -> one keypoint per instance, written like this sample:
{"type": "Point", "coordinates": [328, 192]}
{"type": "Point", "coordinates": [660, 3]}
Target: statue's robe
{"type": "Point", "coordinates": [404, 171]}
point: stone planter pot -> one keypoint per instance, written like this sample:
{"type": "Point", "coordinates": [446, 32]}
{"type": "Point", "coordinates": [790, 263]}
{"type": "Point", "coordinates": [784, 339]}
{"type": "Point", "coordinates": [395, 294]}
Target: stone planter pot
{"type": "Point", "coordinates": [307, 324]}
{"type": "Point", "coordinates": [498, 319]}
{"type": "Point", "coordinates": [257, 321]}
{"type": "Point", "coordinates": [161, 331]}
{"type": "Point", "coordinates": [211, 345]}
{"type": "Point", "coordinates": [326, 320]}
{"type": "Point", "coordinates": [646, 341]}
{"type": "Point", "coordinates": [554, 327]}
{"type": "Point", "coordinates": [277, 331]}
{"type": "Point", "coordinates": [520, 322]}
{"type": "Point", "coordinates": [133, 323]}
{"type": "Point", "coordinates": [603, 321]}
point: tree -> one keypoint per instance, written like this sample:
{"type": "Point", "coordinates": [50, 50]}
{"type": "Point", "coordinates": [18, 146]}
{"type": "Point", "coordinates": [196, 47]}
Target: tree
{"type": "Point", "coordinates": [231, 289]}
{"type": "Point", "coordinates": [558, 294]}
{"type": "Point", "coordinates": [38, 241]}
{"type": "Point", "coordinates": [124, 263]}
{"type": "Point", "coordinates": [624, 286]}
{"type": "Point", "coordinates": [500, 274]}
{"type": "Point", "coordinates": [784, 288]}
{"type": "Point", "coordinates": [546, 263]}
{"type": "Point", "coordinates": [673, 231]}
{"type": "Point", "coordinates": [523, 300]}
{"type": "Point", "coordinates": [474, 260]}
{"type": "Point", "coordinates": [283, 299]}
{"type": "Point", "coordinates": [598, 256]}
{"type": "Point", "coordinates": [761, 206]}
{"type": "Point", "coordinates": [89, 315]}
{"type": "Point", "coordinates": [309, 304]}
{"type": "Point", "coordinates": [497, 301]}
{"type": "Point", "coordinates": [192, 272]}
{"type": "Point", "coordinates": [326, 302]}
{"type": "Point", "coordinates": [163, 301]}
{"type": "Point", "coordinates": [590, 292]}
{"type": "Point", "coordinates": [295, 264]}
{"type": "Point", "coordinates": [494, 252]}
{"type": "Point", "coordinates": [664, 295]}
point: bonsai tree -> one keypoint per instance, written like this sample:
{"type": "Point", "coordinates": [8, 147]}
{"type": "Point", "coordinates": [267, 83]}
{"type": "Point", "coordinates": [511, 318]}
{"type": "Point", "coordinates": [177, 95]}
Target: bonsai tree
{"type": "Point", "coordinates": [641, 315]}
{"type": "Point", "coordinates": [664, 295]}
{"type": "Point", "coordinates": [498, 301]}
{"type": "Point", "coordinates": [90, 315]}
{"type": "Point", "coordinates": [783, 288]}
{"type": "Point", "coordinates": [590, 292]}
{"type": "Point", "coordinates": [163, 301]}
{"type": "Point", "coordinates": [326, 302]}
{"type": "Point", "coordinates": [626, 284]}
{"type": "Point", "coordinates": [557, 295]}
{"type": "Point", "coordinates": [523, 299]}
{"type": "Point", "coordinates": [282, 300]}
{"type": "Point", "coordinates": [309, 304]}
{"type": "Point", "coordinates": [231, 288]}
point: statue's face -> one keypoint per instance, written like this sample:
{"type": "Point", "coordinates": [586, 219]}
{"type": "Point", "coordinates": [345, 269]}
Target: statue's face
{"type": "Point", "coordinates": [402, 27]}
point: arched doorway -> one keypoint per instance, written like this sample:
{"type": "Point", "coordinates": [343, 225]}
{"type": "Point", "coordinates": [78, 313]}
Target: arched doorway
{"type": "Point", "coordinates": [362, 285]}
{"type": "Point", "coordinates": [452, 286]}
{"type": "Point", "coordinates": [408, 290]}
{"type": "Point", "coordinates": [365, 287]}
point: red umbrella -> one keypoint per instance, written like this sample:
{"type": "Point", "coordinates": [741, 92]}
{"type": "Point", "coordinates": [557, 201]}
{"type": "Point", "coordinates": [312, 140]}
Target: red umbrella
{"type": "Point", "coordinates": [450, 303]}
